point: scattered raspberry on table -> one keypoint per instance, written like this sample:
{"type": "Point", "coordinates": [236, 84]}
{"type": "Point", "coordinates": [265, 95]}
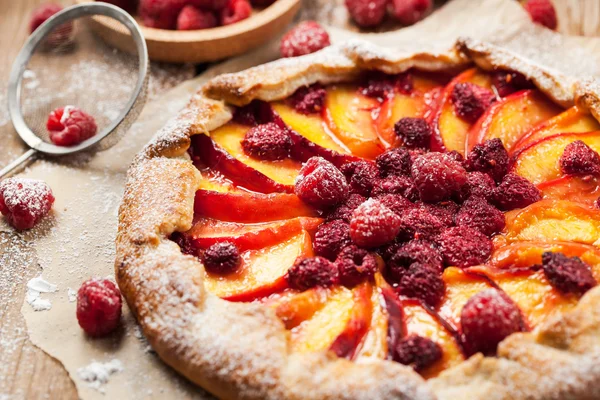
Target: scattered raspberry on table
{"type": "Point", "coordinates": [24, 202]}
{"type": "Point", "coordinates": [98, 307]}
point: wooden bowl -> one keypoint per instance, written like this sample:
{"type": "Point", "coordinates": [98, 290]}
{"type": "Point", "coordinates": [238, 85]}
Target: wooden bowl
{"type": "Point", "coordinates": [206, 44]}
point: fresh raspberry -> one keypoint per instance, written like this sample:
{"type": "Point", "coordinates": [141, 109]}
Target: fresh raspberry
{"type": "Point", "coordinates": [479, 184]}
{"type": "Point", "coordinates": [509, 82]}
{"type": "Point", "coordinates": [160, 14]}
{"type": "Point", "coordinates": [184, 243]}
{"type": "Point", "coordinates": [409, 12]}
{"type": "Point", "coordinates": [24, 202]}
{"type": "Point", "coordinates": [308, 272]}
{"type": "Point", "coordinates": [438, 177]}
{"type": "Point", "coordinates": [355, 265]}
{"type": "Point", "coordinates": [331, 237]}
{"type": "Point", "coordinates": [361, 175]}
{"type": "Point", "coordinates": [379, 85]}
{"type": "Point", "coordinates": [477, 213]}
{"type": "Point", "coordinates": [423, 282]}
{"type": "Point", "coordinates": [191, 18]}
{"type": "Point", "coordinates": [456, 156]}
{"type": "Point", "coordinates": [221, 258]}
{"type": "Point", "coordinates": [488, 318]}
{"type": "Point", "coordinates": [344, 211]}
{"type": "Point", "coordinates": [262, 3]}
{"type": "Point", "coordinates": [246, 115]}
{"type": "Point", "coordinates": [267, 142]}
{"type": "Point", "coordinates": [463, 246]}
{"type": "Point", "coordinates": [308, 99]}
{"type": "Point", "coordinates": [367, 13]}
{"type": "Point", "coordinates": [490, 157]}
{"type": "Point", "coordinates": [396, 202]}
{"type": "Point", "coordinates": [69, 126]}
{"type": "Point", "coordinates": [306, 38]}
{"type": "Point", "coordinates": [444, 211]}
{"type": "Point", "coordinates": [373, 224]}
{"type": "Point", "coordinates": [321, 184]}
{"type": "Point", "coordinates": [419, 224]}
{"type": "Point", "coordinates": [235, 11]}
{"type": "Point", "coordinates": [416, 251]}
{"type": "Point", "coordinates": [515, 192]}
{"type": "Point", "coordinates": [567, 274]}
{"type": "Point", "coordinates": [402, 185]}
{"type": "Point", "coordinates": [542, 12]}
{"type": "Point", "coordinates": [471, 100]}
{"type": "Point", "coordinates": [98, 307]}
{"type": "Point", "coordinates": [214, 5]}
{"type": "Point", "coordinates": [394, 162]}
{"type": "Point", "coordinates": [417, 351]}
{"type": "Point", "coordinates": [42, 13]}
{"type": "Point", "coordinates": [579, 158]}
{"type": "Point", "coordinates": [414, 132]}
{"type": "Point", "coordinates": [127, 5]}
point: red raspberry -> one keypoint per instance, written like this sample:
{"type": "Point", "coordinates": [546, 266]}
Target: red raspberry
{"type": "Point", "coordinates": [444, 211]}
{"type": "Point", "coordinates": [438, 177]}
{"type": "Point", "coordinates": [567, 274]}
{"type": "Point", "coordinates": [515, 192]}
{"type": "Point", "coordinates": [247, 115]}
{"type": "Point", "coordinates": [417, 351]}
{"type": "Point", "coordinates": [344, 211]}
{"type": "Point", "coordinates": [487, 319]}
{"type": "Point", "coordinates": [69, 126]}
{"type": "Point", "coordinates": [379, 85]}
{"type": "Point", "coordinates": [508, 82]}
{"type": "Point", "coordinates": [422, 282]}
{"type": "Point", "coordinates": [24, 202]}
{"type": "Point", "coordinates": [191, 18]}
{"type": "Point", "coordinates": [235, 11]}
{"type": "Point", "coordinates": [414, 132]}
{"type": "Point", "coordinates": [419, 224]}
{"type": "Point", "coordinates": [579, 158]}
{"type": "Point", "coordinates": [367, 13]}
{"type": "Point", "coordinates": [479, 184]}
{"type": "Point", "coordinates": [308, 99]}
{"type": "Point", "coordinates": [221, 258]}
{"type": "Point", "coordinates": [215, 5]}
{"type": "Point", "coordinates": [331, 237]}
{"type": "Point", "coordinates": [409, 12]}
{"type": "Point", "coordinates": [98, 307]}
{"type": "Point", "coordinates": [321, 184]}
{"type": "Point", "coordinates": [307, 37]}
{"type": "Point", "coordinates": [267, 142]}
{"type": "Point", "coordinates": [160, 14]}
{"type": "Point", "coordinates": [396, 202]}
{"type": "Point", "coordinates": [355, 265]}
{"type": "Point", "coordinates": [373, 224]}
{"type": "Point", "coordinates": [308, 272]}
{"type": "Point", "coordinates": [394, 162]}
{"type": "Point", "coordinates": [262, 3]}
{"type": "Point", "coordinates": [415, 251]}
{"type": "Point", "coordinates": [127, 5]}
{"type": "Point", "coordinates": [470, 100]}
{"type": "Point", "coordinates": [401, 185]}
{"type": "Point", "coordinates": [542, 12]}
{"type": "Point", "coordinates": [184, 243]}
{"type": "Point", "coordinates": [41, 14]}
{"type": "Point", "coordinates": [477, 213]}
{"type": "Point", "coordinates": [463, 246]}
{"type": "Point", "coordinates": [361, 175]}
{"type": "Point", "coordinates": [490, 157]}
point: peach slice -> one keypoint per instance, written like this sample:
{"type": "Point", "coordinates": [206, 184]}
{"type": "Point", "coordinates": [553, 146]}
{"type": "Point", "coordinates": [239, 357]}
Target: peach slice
{"type": "Point", "coordinates": [539, 162]}
{"type": "Point", "coordinates": [573, 120]}
{"type": "Point", "coordinates": [375, 343]}
{"type": "Point", "coordinates": [460, 287]}
{"type": "Point", "coordinates": [262, 271]}
{"type": "Point", "coordinates": [213, 156]}
{"type": "Point", "coordinates": [511, 117]}
{"type": "Point", "coordinates": [584, 190]}
{"type": "Point", "coordinates": [250, 207]}
{"type": "Point", "coordinates": [452, 129]}
{"type": "Point", "coordinates": [207, 231]}
{"type": "Point", "coordinates": [230, 136]}
{"type": "Point", "coordinates": [349, 115]}
{"type": "Point", "coordinates": [553, 220]}
{"type": "Point", "coordinates": [294, 308]}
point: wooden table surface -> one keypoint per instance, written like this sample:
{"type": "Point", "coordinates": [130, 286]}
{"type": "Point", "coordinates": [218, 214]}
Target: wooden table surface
{"type": "Point", "coordinates": [26, 372]}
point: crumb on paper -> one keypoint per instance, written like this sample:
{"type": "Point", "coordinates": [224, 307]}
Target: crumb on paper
{"type": "Point", "coordinates": [72, 295]}
{"type": "Point", "coordinates": [97, 374]}
{"type": "Point", "coordinates": [35, 287]}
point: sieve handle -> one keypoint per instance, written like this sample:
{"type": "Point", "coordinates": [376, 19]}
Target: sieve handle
{"type": "Point", "coordinates": [14, 164]}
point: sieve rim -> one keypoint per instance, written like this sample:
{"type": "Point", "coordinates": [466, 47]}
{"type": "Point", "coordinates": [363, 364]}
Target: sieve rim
{"type": "Point", "coordinates": [22, 60]}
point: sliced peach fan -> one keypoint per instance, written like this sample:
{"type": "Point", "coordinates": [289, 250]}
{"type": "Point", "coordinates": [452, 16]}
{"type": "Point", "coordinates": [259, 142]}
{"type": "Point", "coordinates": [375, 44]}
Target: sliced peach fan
{"type": "Point", "coordinates": [407, 217]}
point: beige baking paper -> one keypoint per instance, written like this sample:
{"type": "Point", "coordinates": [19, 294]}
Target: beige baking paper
{"type": "Point", "coordinates": [77, 241]}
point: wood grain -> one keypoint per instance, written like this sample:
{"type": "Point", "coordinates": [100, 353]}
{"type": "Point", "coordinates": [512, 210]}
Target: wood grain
{"type": "Point", "coordinates": [25, 371]}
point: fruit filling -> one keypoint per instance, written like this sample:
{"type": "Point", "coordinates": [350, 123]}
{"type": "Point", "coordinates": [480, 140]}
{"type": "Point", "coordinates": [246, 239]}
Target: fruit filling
{"type": "Point", "coordinates": [412, 217]}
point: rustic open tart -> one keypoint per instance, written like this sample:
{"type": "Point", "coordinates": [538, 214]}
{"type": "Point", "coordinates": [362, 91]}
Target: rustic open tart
{"type": "Point", "coordinates": [367, 224]}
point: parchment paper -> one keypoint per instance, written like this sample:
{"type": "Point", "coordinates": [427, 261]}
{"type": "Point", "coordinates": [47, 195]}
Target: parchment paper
{"type": "Point", "coordinates": [77, 241]}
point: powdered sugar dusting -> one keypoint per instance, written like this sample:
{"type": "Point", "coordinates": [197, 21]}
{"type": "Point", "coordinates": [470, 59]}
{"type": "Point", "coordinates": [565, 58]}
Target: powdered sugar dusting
{"type": "Point", "coordinates": [97, 374]}
{"type": "Point", "coordinates": [35, 287]}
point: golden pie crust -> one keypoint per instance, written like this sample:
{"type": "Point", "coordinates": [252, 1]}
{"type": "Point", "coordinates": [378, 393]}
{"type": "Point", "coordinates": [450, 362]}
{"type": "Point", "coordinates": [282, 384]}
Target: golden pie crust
{"type": "Point", "coordinates": [240, 350]}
